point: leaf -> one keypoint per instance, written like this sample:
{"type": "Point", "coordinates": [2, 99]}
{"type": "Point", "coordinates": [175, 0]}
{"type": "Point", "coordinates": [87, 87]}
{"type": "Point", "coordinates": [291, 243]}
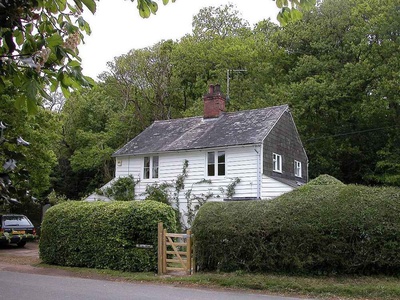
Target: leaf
{"type": "Point", "coordinates": [65, 91]}
{"type": "Point", "coordinates": [55, 40]}
{"type": "Point", "coordinates": [143, 8]}
{"type": "Point", "coordinates": [31, 89]}
{"type": "Point", "coordinates": [74, 63]}
{"type": "Point", "coordinates": [62, 4]}
{"type": "Point", "coordinates": [90, 4]}
{"type": "Point", "coordinates": [54, 85]}
{"type": "Point", "coordinates": [19, 37]}
{"type": "Point", "coordinates": [153, 7]}
{"type": "Point", "coordinates": [20, 102]}
{"type": "Point", "coordinates": [32, 106]}
{"type": "Point", "coordinates": [296, 15]}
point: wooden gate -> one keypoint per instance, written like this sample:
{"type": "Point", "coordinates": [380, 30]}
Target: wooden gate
{"type": "Point", "coordinates": [174, 251]}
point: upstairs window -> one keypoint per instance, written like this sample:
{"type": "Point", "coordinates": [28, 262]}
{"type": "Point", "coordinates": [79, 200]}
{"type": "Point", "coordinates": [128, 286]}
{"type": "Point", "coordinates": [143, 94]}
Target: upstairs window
{"type": "Point", "coordinates": [216, 163]}
{"type": "Point", "coordinates": [150, 169]}
{"type": "Point", "coordinates": [277, 163]}
{"type": "Point", "coordinates": [297, 168]}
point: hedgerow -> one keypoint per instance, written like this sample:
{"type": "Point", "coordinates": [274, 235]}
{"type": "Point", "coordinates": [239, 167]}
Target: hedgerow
{"type": "Point", "coordinates": [104, 235]}
{"type": "Point", "coordinates": [318, 229]}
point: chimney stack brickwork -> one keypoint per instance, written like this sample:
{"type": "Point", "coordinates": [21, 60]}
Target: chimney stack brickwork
{"type": "Point", "coordinates": [214, 102]}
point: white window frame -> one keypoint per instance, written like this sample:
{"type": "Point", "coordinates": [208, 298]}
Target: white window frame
{"type": "Point", "coordinates": [216, 163]}
{"type": "Point", "coordinates": [152, 166]}
{"type": "Point", "coordinates": [276, 162]}
{"type": "Point", "coordinates": [297, 169]}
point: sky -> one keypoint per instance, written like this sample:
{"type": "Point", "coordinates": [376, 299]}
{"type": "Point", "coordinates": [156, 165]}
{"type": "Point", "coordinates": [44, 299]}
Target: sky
{"type": "Point", "coordinates": [118, 28]}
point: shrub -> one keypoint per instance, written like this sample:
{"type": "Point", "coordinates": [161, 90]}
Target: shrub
{"type": "Point", "coordinates": [318, 229]}
{"type": "Point", "coordinates": [325, 180]}
{"type": "Point", "coordinates": [104, 235]}
{"type": "Point", "coordinates": [122, 189]}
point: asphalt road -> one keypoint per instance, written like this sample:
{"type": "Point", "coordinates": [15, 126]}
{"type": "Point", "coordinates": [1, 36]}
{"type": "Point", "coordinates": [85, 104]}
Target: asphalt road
{"type": "Point", "coordinates": [14, 285]}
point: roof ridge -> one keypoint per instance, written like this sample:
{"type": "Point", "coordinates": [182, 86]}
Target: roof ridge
{"type": "Point", "coordinates": [170, 120]}
{"type": "Point", "coordinates": [227, 112]}
{"type": "Point", "coordinates": [262, 108]}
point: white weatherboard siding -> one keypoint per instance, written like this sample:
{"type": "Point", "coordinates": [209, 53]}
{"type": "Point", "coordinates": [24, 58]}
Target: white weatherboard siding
{"type": "Point", "coordinates": [241, 162]}
{"type": "Point", "coordinates": [272, 188]}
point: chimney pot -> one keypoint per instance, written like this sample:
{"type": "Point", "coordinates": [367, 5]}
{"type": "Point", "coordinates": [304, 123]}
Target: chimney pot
{"type": "Point", "coordinates": [214, 102]}
{"type": "Point", "coordinates": [211, 89]}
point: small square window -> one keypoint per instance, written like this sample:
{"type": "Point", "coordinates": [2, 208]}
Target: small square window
{"type": "Point", "coordinates": [277, 163]}
{"type": "Point", "coordinates": [297, 168]}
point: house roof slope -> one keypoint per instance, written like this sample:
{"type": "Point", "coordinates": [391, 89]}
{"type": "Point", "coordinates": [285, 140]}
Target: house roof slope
{"type": "Point", "coordinates": [230, 129]}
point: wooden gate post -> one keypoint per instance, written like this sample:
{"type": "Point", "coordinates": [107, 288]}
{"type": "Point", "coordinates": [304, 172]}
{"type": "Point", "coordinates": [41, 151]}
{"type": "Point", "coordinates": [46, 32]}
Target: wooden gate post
{"type": "Point", "coordinates": [161, 242]}
{"type": "Point", "coordinates": [164, 260]}
{"type": "Point", "coordinates": [189, 252]}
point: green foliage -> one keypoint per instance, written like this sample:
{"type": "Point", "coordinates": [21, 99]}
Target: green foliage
{"type": "Point", "coordinates": [33, 163]}
{"type": "Point", "coordinates": [122, 189]}
{"type": "Point", "coordinates": [53, 198]}
{"type": "Point", "coordinates": [325, 179]}
{"type": "Point", "coordinates": [39, 42]}
{"type": "Point", "coordinates": [317, 229]}
{"type": "Point", "coordinates": [159, 192]}
{"type": "Point", "coordinates": [104, 235]}
{"type": "Point", "coordinates": [230, 189]}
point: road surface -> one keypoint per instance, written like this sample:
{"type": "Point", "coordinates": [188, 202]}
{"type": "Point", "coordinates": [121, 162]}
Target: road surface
{"type": "Point", "coordinates": [14, 285]}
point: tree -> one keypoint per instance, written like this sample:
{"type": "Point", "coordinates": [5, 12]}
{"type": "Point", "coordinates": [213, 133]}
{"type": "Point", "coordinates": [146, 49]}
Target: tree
{"type": "Point", "coordinates": [221, 22]}
{"type": "Point", "coordinates": [39, 42]}
{"type": "Point", "coordinates": [27, 151]}
{"type": "Point", "coordinates": [342, 83]}
{"type": "Point", "coordinates": [144, 78]}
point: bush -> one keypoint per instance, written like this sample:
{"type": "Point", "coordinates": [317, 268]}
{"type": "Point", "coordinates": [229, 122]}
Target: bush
{"type": "Point", "coordinates": [325, 180]}
{"type": "Point", "coordinates": [318, 229]}
{"type": "Point", "coordinates": [104, 235]}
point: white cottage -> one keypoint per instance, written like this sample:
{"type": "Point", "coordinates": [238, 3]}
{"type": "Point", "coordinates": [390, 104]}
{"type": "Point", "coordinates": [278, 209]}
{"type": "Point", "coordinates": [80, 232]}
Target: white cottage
{"type": "Point", "coordinates": [253, 154]}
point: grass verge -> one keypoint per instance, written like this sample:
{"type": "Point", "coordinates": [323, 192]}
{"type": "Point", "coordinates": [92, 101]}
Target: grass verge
{"type": "Point", "coordinates": [317, 287]}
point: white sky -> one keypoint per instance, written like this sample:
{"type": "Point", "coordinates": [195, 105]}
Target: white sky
{"type": "Point", "coordinates": [118, 28]}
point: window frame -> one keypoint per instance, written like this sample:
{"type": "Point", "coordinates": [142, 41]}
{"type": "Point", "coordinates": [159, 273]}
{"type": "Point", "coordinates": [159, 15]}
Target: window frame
{"type": "Point", "coordinates": [277, 163]}
{"type": "Point", "coordinates": [218, 163]}
{"type": "Point", "coordinates": [298, 169]}
{"type": "Point", "coordinates": [152, 169]}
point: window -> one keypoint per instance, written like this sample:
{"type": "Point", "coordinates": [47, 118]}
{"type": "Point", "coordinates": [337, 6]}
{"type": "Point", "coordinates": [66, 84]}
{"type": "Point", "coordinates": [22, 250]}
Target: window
{"type": "Point", "coordinates": [277, 162]}
{"type": "Point", "coordinates": [154, 174]}
{"type": "Point", "coordinates": [297, 168]}
{"type": "Point", "coordinates": [210, 164]}
{"type": "Point", "coordinates": [150, 169]}
{"type": "Point", "coordinates": [146, 171]}
{"type": "Point", "coordinates": [216, 163]}
{"type": "Point", "coordinates": [221, 163]}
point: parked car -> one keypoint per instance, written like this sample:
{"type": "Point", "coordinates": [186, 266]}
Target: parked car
{"type": "Point", "coordinates": [16, 229]}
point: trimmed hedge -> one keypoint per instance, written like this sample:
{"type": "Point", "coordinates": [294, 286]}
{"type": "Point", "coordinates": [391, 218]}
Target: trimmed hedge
{"type": "Point", "coordinates": [104, 235]}
{"type": "Point", "coordinates": [317, 229]}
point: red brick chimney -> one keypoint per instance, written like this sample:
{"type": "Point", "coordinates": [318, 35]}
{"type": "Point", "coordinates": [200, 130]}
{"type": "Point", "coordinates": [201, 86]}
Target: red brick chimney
{"type": "Point", "coordinates": [214, 102]}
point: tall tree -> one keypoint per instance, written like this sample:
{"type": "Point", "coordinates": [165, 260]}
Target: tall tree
{"type": "Point", "coordinates": [342, 85]}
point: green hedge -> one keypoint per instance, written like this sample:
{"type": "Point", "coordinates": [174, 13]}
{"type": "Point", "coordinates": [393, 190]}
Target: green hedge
{"type": "Point", "coordinates": [104, 235]}
{"type": "Point", "coordinates": [318, 229]}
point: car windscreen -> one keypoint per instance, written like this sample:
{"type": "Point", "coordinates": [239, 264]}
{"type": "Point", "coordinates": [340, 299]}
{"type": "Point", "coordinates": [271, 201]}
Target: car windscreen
{"type": "Point", "coordinates": [16, 221]}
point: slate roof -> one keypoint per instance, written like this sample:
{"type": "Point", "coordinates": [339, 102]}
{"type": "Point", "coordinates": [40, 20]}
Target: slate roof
{"type": "Point", "coordinates": [230, 129]}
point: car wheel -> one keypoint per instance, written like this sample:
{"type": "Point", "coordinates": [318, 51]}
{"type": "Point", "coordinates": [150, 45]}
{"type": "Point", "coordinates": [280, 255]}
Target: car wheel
{"type": "Point", "coordinates": [21, 244]}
